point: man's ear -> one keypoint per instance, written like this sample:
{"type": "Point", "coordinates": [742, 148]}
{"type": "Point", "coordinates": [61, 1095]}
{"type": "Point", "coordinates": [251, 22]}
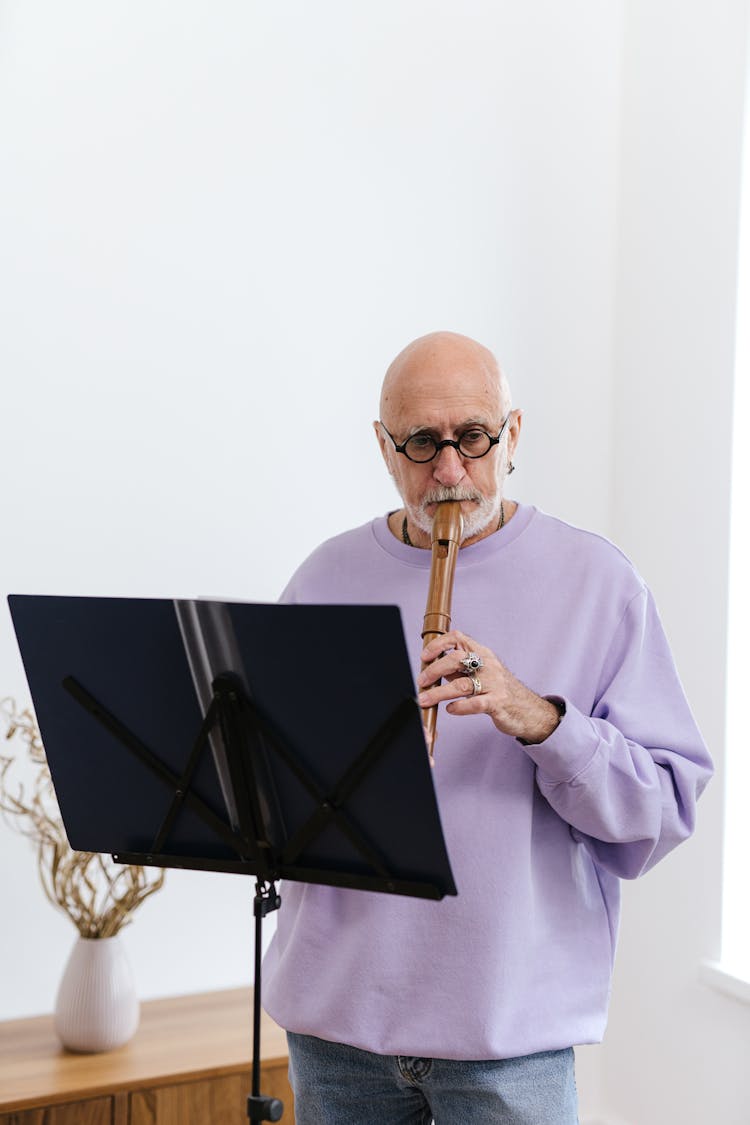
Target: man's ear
{"type": "Point", "coordinates": [382, 440]}
{"type": "Point", "coordinates": [514, 432]}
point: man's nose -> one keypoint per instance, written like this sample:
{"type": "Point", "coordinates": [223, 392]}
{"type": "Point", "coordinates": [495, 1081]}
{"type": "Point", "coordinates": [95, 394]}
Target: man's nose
{"type": "Point", "coordinates": [449, 467]}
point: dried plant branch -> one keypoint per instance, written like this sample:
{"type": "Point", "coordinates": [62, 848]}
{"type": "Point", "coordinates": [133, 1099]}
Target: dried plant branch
{"type": "Point", "coordinates": [98, 895]}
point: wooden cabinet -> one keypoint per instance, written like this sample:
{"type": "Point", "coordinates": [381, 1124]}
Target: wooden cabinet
{"type": "Point", "coordinates": [192, 1103]}
{"type": "Point", "coordinates": [195, 1103]}
{"type": "Point", "coordinates": [188, 1064]}
{"type": "Point", "coordinates": [93, 1111]}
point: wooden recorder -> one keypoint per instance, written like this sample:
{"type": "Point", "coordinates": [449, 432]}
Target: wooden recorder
{"type": "Point", "coordinates": [447, 529]}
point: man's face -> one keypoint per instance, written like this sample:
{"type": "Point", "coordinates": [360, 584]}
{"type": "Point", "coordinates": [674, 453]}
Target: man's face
{"type": "Point", "coordinates": [444, 395]}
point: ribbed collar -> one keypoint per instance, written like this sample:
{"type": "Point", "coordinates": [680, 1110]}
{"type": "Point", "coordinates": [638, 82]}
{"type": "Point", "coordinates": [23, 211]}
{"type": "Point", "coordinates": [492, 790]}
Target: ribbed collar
{"type": "Point", "coordinates": [467, 556]}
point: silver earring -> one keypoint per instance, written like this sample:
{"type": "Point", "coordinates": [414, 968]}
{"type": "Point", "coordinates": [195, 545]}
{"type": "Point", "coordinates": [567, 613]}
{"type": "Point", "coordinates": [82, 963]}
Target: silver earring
{"type": "Point", "coordinates": [511, 467]}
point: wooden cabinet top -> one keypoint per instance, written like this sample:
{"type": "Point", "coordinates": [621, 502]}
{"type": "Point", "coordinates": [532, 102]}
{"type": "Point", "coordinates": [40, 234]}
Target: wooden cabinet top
{"type": "Point", "coordinates": [180, 1037]}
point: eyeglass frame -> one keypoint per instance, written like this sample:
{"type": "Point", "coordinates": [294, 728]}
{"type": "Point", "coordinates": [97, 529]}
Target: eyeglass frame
{"type": "Point", "coordinates": [440, 445]}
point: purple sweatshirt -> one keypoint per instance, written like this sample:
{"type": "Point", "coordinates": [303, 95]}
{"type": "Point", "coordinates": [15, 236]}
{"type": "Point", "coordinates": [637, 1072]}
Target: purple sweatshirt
{"type": "Point", "coordinates": [538, 836]}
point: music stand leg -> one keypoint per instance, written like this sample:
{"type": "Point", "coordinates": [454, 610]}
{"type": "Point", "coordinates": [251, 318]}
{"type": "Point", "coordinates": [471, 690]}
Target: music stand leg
{"type": "Point", "coordinates": [259, 1107]}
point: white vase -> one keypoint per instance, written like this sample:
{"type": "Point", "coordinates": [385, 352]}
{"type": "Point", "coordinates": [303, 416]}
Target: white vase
{"type": "Point", "coordinates": [97, 1007]}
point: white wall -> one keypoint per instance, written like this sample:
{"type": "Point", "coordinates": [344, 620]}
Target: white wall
{"type": "Point", "coordinates": [675, 1051]}
{"type": "Point", "coordinates": [220, 222]}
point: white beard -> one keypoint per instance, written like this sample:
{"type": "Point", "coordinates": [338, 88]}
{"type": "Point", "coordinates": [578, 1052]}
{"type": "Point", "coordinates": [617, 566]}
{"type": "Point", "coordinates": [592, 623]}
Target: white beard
{"type": "Point", "coordinates": [484, 514]}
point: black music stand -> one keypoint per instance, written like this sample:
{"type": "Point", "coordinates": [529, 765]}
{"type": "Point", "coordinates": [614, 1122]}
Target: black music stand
{"type": "Point", "coordinates": [265, 740]}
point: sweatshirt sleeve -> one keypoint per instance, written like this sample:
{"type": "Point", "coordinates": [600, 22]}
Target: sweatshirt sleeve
{"type": "Point", "coordinates": [627, 776]}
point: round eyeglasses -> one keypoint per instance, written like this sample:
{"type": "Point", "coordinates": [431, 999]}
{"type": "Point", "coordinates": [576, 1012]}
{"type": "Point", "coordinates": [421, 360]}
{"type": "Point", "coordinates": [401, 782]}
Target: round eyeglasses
{"type": "Point", "coordinates": [473, 442]}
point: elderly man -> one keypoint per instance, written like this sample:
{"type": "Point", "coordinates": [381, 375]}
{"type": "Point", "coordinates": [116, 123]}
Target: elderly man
{"type": "Point", "coordinates": [569, 760]}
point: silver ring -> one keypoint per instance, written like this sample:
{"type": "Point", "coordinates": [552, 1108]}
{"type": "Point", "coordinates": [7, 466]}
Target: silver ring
{"type": "Point", "coordinates": [472, 662]}
{"type": "Point", "coordinates": [476, 686]}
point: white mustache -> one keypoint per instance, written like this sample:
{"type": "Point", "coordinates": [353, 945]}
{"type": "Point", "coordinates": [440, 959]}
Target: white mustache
{"type": "Point", "coordinates": [440, 495]}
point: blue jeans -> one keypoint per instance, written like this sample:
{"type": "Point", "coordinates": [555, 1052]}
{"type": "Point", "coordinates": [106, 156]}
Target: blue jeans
{"type": "Point", "coordinates": [338, 1085]}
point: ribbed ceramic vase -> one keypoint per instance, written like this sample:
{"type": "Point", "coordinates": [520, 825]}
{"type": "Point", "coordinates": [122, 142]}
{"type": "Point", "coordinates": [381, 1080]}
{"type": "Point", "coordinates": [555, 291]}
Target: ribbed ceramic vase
{"type": "Point", "coordinates": [97, 1007]}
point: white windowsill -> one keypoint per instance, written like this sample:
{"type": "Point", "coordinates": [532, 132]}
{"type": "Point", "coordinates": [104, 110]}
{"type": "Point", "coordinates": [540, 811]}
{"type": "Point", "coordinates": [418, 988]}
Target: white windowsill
{"type": "Point", "coordinates": [720, 978]}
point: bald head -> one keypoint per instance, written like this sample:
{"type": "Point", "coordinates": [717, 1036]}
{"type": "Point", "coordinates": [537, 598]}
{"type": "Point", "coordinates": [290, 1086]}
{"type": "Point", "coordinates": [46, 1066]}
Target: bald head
{"type": "Point", "coordinates": [440, 366]}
